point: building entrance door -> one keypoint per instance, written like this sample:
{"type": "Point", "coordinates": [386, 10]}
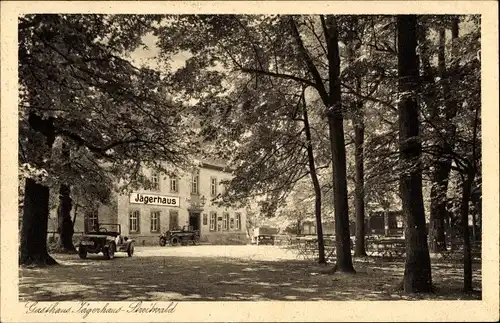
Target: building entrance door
{"type": "Point", "coordinates": [194, 220]}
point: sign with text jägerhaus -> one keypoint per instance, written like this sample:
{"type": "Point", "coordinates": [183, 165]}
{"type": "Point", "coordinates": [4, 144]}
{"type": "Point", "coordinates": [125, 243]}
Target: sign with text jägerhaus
{"type": "Point", "coordinates": [152, 199]}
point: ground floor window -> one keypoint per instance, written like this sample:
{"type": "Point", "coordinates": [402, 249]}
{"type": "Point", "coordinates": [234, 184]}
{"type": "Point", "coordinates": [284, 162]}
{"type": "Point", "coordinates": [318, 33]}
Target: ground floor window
{"type": "Point", "coordinates": [219, 223]}
{"type": "Point", "coordinates": [155, 221]}
{"type": "Point", "coordinates": [213, 221]}
{"type": "Point", "coordinates": [173, 223]}
{"type": "Point", "coordinates": [237, 221]}
{"type": "Point", "coordinates": [225, 222]}
{"type": "Point", "coordinates": [134, 217]}
{"type": "Point", "coordinates": [92, 220]}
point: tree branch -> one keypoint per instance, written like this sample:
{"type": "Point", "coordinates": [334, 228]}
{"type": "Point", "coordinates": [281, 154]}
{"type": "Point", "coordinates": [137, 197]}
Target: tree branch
{"type": "Point", "coordinates": [279, 75]}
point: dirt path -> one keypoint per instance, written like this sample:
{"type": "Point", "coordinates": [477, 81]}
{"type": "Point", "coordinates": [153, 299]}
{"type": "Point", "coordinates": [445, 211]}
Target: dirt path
{"type": "Point", "coordinates": [222, 273]}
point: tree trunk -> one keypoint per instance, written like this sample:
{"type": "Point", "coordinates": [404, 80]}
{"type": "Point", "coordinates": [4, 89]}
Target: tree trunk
{"type": "Point", "coordinates": [467, 182]}
{"type": "Point", "coordinates": [442, 166]}
{"type": "Point", "coordinates": [474, 226]}
{"type": "Point", "coordinates": [342, 234]}
{"type": "Point", "coordinates": [359, 190]}
{"type": "Point", "coordinates": [337, 142]}
{"type": "Point", "coordinates": [438, 205]}
{"type": "Point", "coordinates": [33, 248]}
{"type": "Point", "coordinates": [386, 222]}
{"type": "Point", "coordinates": [464, 217]}
{"type": "Point", "coordinates": [317, 187]}
{"type": "Point", "coordinates": [417, 275]}
{"type": "Point", "coordinates": [332, 101]}
{"type": "Point", "coordinates": [65, 229]}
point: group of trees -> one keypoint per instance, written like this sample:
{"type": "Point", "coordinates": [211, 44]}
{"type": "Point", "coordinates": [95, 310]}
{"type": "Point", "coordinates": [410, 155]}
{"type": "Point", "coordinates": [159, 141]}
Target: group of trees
{"type": "Point", "coordinates": [87, 115]}
{"type": "Point", "coordinates": [288, 90]}
{"type": "Point", "coordinates": [364, 107]}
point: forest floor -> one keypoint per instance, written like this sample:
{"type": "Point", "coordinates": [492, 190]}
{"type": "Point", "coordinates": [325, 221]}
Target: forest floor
{"type": "Point", "coordinates": [227, 273]}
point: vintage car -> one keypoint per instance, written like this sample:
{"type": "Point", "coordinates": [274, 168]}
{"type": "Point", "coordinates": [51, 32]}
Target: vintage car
{"type": "Point", "coordinates": [105, 238]}
{"type": "Point", "coordinates": [264, 235]}
{"type": "Point", "coordinates": [182, 236]}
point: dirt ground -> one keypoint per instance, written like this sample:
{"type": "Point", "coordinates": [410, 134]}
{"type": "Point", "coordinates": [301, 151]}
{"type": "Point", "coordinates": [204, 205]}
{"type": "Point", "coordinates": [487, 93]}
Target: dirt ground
{"type": "Point", "coordinates": [226, 273]}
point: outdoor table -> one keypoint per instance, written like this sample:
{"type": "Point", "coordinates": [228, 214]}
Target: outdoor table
{"type": "Point", "coordinates": [307, 247]}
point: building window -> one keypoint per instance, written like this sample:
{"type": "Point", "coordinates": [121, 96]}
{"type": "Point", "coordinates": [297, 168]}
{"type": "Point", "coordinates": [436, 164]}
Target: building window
{"type": "Point", "coordinates": [195, 181]}
{"type": "Point", "coordinates": [225, 222]}
{"type": "Point", "coordinates": [92, 221]}
{"type": "Point", "coordinates": [173, 223]}
{"type": "Point", "coordinates": [213, 221]}
{"type": "Point", "coordinates": [155, 181]}
{"type": "Point", "coordinates": [219, 223]}
{"type": "Point", "coordinates": [173, 185]}
{"type": "Point", "coordinates": [213, 186]}
{"type": "Point", "coordinates": [134, 222]}
{"type": "Point", "coordinates": [155, 221]}
{"type": "Point", "coordinates": [237, 221]}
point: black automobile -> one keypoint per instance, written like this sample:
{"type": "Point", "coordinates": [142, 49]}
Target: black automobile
{"type": "Point", "coordinates": [105, 238]}
{"type": "Point", "coordinates": [182, 236]}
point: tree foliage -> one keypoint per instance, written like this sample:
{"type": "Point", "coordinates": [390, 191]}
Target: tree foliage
{"type": "Point", "coordinates": [77, 83]}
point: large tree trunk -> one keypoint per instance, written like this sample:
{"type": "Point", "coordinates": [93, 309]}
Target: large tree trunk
{"type": "Point", "coordinates": [333, 104]}
{"type": "Point", "coordinates": [33, 248]}
{"type": "Point", "coordinates": [359, 194]}
{"type": "Point", "coordinates": [342, 234]}
{"type": "Point", "coordinates": [337, 141]}
{"type": "Point", "coordinates": [417, 275]}
{"type": "Point", "coordinates": [317, 187]}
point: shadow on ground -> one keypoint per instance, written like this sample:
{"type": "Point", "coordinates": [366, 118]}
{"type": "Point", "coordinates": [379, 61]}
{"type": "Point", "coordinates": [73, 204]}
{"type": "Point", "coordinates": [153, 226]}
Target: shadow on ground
{"type": "Point", "coordinates": [168, 278]}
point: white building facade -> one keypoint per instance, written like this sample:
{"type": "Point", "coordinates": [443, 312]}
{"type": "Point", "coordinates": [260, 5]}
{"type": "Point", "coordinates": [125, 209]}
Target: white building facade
{"type": "Point", "coordinates": [182, 201]}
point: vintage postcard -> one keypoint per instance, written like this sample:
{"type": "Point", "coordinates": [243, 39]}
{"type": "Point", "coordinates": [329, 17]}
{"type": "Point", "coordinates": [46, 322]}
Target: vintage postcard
{"type": "Point", "coordinates": [253, 161]}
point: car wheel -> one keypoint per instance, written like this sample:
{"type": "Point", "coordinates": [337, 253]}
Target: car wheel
{"type": "Point", "coordinates": [163, 242]}
{"type": "Point", "coordinates": [82, 252]}
{"type": "Point", "coordinates": [174, 241]}
{"type": "Point", "coordinates": [109, 252]}
{"type": "Point", "coordinates": [130, 250]}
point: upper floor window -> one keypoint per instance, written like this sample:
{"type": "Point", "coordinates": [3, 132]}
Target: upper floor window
{"type": "Point", "coordinates": [173, 185]}
{"type": "Point", "coordinates": [213, 186]}
{"type": "Point", "coordinates": [155, 181]}
{"type": "Point", "coordinates": [195, 183]}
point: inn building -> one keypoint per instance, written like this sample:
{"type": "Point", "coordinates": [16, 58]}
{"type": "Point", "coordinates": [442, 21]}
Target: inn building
{"type": "Point", "coordinates": [173, 202]}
